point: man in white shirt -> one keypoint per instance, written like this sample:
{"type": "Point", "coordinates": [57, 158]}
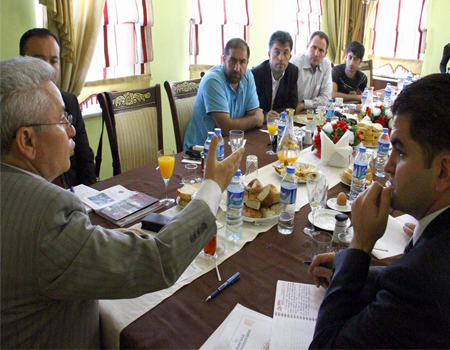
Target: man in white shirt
{"type": "Point", "coordinates": [314, 73]}
{"type": "Point", "coordinates": [406, 304]}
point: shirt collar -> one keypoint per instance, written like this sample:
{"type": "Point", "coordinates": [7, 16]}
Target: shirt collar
{"type": "Point", "coordinates": [423, 223]}
{"type": "Point", "coordinates": [274, 81]}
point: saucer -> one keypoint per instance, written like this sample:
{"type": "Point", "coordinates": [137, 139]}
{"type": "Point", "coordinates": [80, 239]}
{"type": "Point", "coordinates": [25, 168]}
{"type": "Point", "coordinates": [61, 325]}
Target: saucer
{"type": "Point", "coordinates": [342, 208]}
{"type": "Point", "coordinates": [325, 219]}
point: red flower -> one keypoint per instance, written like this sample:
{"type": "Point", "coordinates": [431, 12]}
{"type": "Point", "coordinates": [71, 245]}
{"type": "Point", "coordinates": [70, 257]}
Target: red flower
{"type": "Point", "coordinates": [336, 139]}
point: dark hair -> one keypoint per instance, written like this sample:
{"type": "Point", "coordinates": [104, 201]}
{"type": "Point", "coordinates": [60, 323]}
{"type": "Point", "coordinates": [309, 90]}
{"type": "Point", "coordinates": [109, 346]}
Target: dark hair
{"type": "Point", "coordinates": [356, 48]}
{"type": "Point", "coordinates": [321, 35]}
{"type": "Point", "coordinates": [236, 43]}
{"type": "Point", "coordinates": [425, 103]}
{"type": "Point", "coordinates": [35, 32]}
{"type": "Point", "coordinates": [282, 37]}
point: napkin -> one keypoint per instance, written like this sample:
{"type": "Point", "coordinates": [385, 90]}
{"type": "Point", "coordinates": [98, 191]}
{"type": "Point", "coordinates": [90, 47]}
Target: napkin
{"type": "Point", "coordinates": [337, 155]}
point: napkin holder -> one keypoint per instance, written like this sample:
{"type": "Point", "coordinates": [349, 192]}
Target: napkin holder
{"type": "Point", "coordinates": [335, 155]}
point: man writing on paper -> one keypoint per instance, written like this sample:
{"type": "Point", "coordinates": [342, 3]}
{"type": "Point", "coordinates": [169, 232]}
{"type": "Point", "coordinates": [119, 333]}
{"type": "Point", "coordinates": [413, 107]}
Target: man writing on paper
{"type": "Point", "coordinates": [314, 73]}
{"type": "Point", "coordinates": [55, 264]}
{"type": "Point", "coordinates": [406, 304]}
{"type": "Point", "coordinates": [276, 78]}
{"type": "Point", "coordinates": [226, 97]}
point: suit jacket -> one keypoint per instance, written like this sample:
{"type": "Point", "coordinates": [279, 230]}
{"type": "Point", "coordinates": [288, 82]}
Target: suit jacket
{"type": "Point", "coordinates": [82, 167]}
{"type": "Point", "coordinates": [55, 264]}
{"type": "Point", "coordinates": [286, 97]}
{"type": "Point", "coordinates": [404, 305]}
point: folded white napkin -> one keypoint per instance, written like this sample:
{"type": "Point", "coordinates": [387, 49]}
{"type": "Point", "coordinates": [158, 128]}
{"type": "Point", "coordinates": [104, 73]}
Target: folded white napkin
{"type": "Point", "coordinates": [337, 155]}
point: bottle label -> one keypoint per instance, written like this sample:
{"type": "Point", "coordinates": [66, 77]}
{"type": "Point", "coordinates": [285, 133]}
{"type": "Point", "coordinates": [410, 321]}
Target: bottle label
{"type": "Point", "coordinates": [383, 148]}
{"type": "Point", "coordinates": [235, 199]}
{"type": "Point", "coordinates": [288, 196]}
{"type": "Point", "coordinates": [359, 170]}
{"type": "Point", "coordinates": [220, 151]}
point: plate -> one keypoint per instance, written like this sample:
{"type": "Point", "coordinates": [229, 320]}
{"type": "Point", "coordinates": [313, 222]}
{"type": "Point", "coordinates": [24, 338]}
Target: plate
{"type": "Point", "coordinates": [325, 219]}
{"type": "Point", "coordinates": [301, 119]}
{"type": "Point", "coordinates": [342, 208]}
{"type": "Point", "coordinates": [178, 198]}
{"type": "Point", "coordinates": [261, 221]}
{"type": "Point", "coordinates": [299, 180]}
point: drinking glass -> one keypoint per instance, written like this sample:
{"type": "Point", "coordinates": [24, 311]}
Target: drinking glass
{"type": "Point", "coordinates": [213, 249]}
{"type": "Point", "coordinates": [317, 188]}
{"type": "Point", "coordinates": [320, 243]}
{"type": "Point", "coordinates": [321, 110]}
{"type": "Point", "coordinates": [309, 114]}
{"type": "Point", "coordinates": [191, 174]}
{"type": "Point", "coordinates": [236, 139]}
{"type": "Point", "coordinates": [272, 127]}
{"type": "Point", "coordinates": [166, 161]}
{"type": "Point", "coordinates": [251, 168]}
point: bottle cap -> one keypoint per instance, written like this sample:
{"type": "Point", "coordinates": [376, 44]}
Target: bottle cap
{"type": "Point", "coordinates": [330, 100]}
{"type": "Point", "coordinates": [238, 173]}
{"type": "Point", "coordinates": [341, 217]}
{"type": "Point", "coordinates": [290, 169]}
{"type": "Point", "coordinates": [283, 114]}
{"type": "Point", "coordinates": [210, 134]}
{"type": "Point", "coordinates": [362, 149]}
{"type": "Point", "coordinates": [217, 131]}
{"type": "Point", "coordinates": [385, 130]}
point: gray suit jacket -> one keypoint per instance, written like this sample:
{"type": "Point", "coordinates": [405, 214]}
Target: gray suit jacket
{"type": "Point", "coordinates": [55, 264]}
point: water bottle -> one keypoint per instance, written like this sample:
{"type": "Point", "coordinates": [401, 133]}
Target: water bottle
{"type": "Point", "coordinates": [387, 95]}
{"type": "Point", "coordinates": [207, 143]}
{"type": "Point", "coordinates": [220, 146]}
{"type": "Point", "coordinates": [408, 79]}
{"type": "Point", "coordinates": [235, 208]}
{"type": "Point", "coordinates": [369, 100]}
{"type": "Point", "coordinates": [282, 122]}
{"type": "Point", "coordinates": [359, 174]}
{"type": "Point", "coordinates": [364, 96]}
{"type": "Point", "coordinates": [382, 153]}
{"type": "Point", "coordinates": [330, 110]}
{"type": "Point", "coordinates": [288, 197]}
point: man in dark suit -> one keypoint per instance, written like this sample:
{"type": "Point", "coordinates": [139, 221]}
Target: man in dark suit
{"type": "Point", "coordinates": [445, 59]}
{"type": "Point", "coordinates": [276, 78]}
{"type": "Point", "coordinates": [406, 304]}
{"type": "Point", "coordinates": [42, 43]}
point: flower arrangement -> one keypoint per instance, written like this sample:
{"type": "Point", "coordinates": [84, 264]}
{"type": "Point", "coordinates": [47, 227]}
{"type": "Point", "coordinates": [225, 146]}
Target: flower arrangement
{"type": "Point", "coordinates": [334, 131]}
{"type": "Point", "coordinates": [380, 114]}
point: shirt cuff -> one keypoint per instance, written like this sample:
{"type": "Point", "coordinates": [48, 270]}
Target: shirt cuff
{"type": "Point", "coordinates": [210, 194]}
{"type": "Point", "coordinates": [309, 104]}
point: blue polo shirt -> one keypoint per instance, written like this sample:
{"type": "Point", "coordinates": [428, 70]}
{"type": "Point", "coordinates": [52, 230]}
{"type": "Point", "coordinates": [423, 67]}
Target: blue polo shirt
{"type": "Point", "coordinates": [215, 94]}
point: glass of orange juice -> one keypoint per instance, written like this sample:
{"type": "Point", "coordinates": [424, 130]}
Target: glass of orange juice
{"type": "Point", "coordinates": [166, 162]}
{"type": "Point", "coordinates": [272, 127]}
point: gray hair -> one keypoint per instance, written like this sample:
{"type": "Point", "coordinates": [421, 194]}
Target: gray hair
{"type": "Point", "coordinates": [22, 100]}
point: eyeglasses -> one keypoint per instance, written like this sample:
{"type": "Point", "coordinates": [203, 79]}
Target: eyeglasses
{"type": "Point", "coordinates": [65, 120]}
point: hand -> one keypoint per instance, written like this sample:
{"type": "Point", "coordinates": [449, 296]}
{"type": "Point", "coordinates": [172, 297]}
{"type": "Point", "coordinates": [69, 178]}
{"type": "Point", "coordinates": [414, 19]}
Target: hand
{"type": "Point", "coordinates": [274, 113]}
{"type": "Point", "coordinates": [300, 107]}
{"type": "Point", "coordinates": [370, 213]}
{"type": "Point", "coordinates": [408, 228]}
{"type": "Point", "coordinates": [322, 275]}
{"type": "Point", "coordinates": [259, 117]}
{"type": "Point", "coordinates": [222, 172]}
{"type": "Point", "coordinates": [353, 93]}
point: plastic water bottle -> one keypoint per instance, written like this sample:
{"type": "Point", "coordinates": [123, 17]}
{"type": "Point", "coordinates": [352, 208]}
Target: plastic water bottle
{"type": "Point", "coordinates": [359, 174]}
{"type": "Point", "coordinates": [282, 122]}
{"type": "Point", "coordinates": [382, 153]}
{"type": "Point", "coordinates": [408, 79]}
{"type": "Point", "coordinates": [221, 145]}
{"type": "Point", "coordinates": [364, 96]}
{"type": "Point", "coordinates": [387, 95]}
{"type": "Point", "coordinates": [235, 208]}
{"type": "Point", "coordinates": [330, 109]}
{"type": "Point", "coordinates": [207, 143]}
{"type": "Point", "coordinates": [288, 197]}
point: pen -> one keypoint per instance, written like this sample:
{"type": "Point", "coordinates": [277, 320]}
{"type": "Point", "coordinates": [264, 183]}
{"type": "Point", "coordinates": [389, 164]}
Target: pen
{"type": "Point", "coordinates": [229, 282]}
{"type": "Point", "coordinates": [72, 189]}
{"type": "Point", "coordinates": [328, 265]}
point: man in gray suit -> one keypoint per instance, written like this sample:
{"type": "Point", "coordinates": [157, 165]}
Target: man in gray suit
{"type": "Point", "coordinates": [55, 264]}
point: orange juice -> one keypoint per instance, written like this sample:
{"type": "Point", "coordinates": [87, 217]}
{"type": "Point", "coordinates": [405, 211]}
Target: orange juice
{"type": "Point", "coordinates": [272, 128]}
{"type": "Point", "coordinates": [290, 156]}
{"type": "Point", "coordinates": [166, 164]}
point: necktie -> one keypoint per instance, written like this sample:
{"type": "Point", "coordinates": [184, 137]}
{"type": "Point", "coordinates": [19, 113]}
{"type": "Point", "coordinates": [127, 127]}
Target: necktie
{"type": "Point", "coordinates": [408, 246]}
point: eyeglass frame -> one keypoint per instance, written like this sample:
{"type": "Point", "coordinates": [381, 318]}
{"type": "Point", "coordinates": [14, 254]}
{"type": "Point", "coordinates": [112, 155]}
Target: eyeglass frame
{"type": "Point", "coordinates": [68, 117]}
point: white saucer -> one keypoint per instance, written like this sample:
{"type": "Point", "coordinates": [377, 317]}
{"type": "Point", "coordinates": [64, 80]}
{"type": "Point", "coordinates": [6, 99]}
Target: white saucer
{"type": "Point", "coordinates": [325, 219]}
{"type": "Point", "coordinates": [342, 208]}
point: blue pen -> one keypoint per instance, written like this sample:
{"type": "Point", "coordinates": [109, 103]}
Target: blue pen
{"type": "Point", "coordinates": [229, 282]}
{"type": "Point", "coordinates": [72, 189]}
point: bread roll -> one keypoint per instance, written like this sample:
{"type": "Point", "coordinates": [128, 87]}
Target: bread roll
{"type": "Point", "coordinates": [187, 190]}
{"type": "Point", "coordinates": [268, 195]}
{"type": "Point", "coordinates": [252, 213]}
{"type": "Point", "coordinates": [267, 212]}
{"type": "Point", "coordinates": [255, 187]}
{"type": "Point", "coordinates": [251, 201]}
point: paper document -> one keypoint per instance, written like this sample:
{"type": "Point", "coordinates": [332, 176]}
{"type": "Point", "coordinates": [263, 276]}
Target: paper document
{"type": "Point", "coordinates": [295, 315]}
{"type": "Point", "coordinates": [394, 239]}
{"type": "Point", "coordinates": [98, 200]}
{"type": "Point", "coordinates": [83, 191]}
{"type": "Point", "coordinates": [242, 329]}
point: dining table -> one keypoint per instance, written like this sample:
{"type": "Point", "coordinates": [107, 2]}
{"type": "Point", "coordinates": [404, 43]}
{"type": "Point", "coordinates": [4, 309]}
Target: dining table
{"type": "Point", "coordinates": [185, 320]}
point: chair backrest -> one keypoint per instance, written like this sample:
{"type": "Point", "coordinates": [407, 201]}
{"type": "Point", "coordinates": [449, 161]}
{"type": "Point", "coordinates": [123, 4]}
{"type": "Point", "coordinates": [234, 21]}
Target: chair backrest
{"type": "Point", "coordinates": [367, 68]}
{"type": "Point", "coordinates": [181, 95]}
{"type": "Point", "coordinates": [134, 123]}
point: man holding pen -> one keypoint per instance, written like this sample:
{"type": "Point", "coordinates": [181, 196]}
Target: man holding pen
{"type": "Point", "coordinates": [406, 304]}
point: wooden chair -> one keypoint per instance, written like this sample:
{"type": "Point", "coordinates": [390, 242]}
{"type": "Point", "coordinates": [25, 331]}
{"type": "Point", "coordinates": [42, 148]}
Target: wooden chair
{"type": "Point", "coordinates": [181, 95]}
{"type": "Point", "coordinates": [134, 124]}
{"type": "Point", "coordinates": [367, 68]}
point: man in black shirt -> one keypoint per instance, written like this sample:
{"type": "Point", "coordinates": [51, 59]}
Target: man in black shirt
{"type": "Point", "coordinates": [348, 81]}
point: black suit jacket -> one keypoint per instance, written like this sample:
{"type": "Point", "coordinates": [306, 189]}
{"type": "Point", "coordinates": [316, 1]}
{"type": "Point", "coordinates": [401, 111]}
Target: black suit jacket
{"type": "Point", "coordinates": [404, 305]}
{"type": "Point", "coordinates": [287, 95]}
{"type": "Point", "coordinates": [82, 168]}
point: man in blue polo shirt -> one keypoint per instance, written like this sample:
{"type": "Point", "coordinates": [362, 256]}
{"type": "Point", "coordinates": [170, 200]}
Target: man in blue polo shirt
{"type": "Point", "coordinates": [227, 97]}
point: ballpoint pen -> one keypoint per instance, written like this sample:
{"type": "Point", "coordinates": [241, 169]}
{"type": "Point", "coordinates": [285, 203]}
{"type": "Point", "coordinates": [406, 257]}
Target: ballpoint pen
{"type": "Point", "coordinates": [229, 282]}
{"type": "Point", "coordinates": [328, 265]}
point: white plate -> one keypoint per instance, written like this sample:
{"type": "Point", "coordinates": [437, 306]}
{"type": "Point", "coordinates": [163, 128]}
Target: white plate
{"type": "Point", "coordinates": [262, 221]}
{"type": "Point", "coordinates": [178, 198]}
{"type": "Point", "coordinates": [293, 164]}
{"type": "Point", "coordinates": [325, 219]}
{"type": "Point", "coordinates": [342, 208]}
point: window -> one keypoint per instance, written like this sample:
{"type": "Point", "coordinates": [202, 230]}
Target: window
{"type": "Point", "coordinates": [215, 22]}
{"type": "Point", "coordinates": [400, 29]}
